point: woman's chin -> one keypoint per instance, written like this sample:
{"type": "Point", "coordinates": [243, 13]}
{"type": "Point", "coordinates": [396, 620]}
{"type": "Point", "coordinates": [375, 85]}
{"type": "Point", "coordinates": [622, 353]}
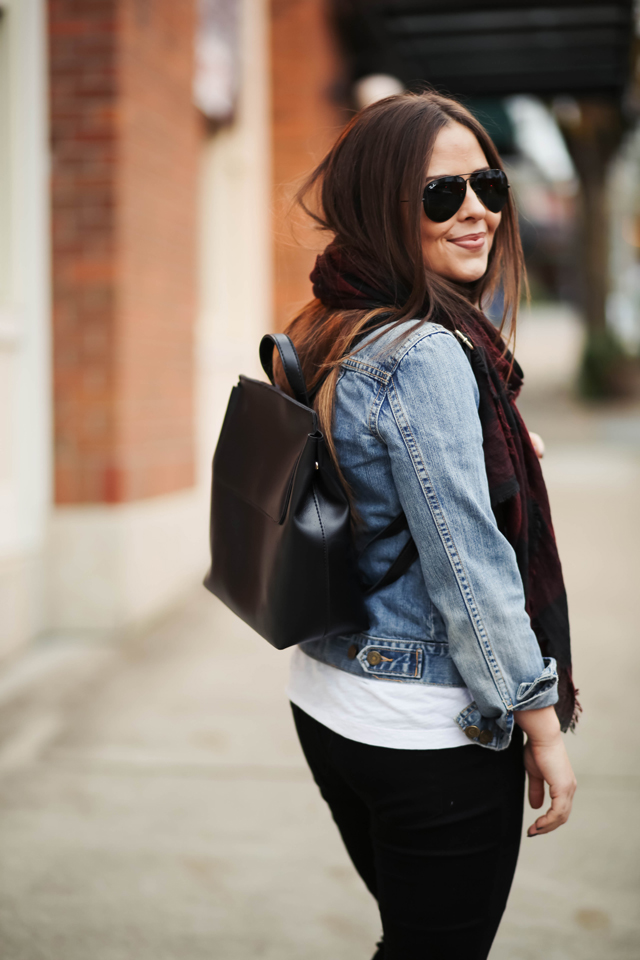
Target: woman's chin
{"type": "Point", "coordinates": [468, 272]}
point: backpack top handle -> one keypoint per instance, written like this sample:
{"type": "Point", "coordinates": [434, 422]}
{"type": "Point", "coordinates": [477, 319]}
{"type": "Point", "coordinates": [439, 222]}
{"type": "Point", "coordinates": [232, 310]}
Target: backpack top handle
{"type": "Point", "coordinates": [290, 364]}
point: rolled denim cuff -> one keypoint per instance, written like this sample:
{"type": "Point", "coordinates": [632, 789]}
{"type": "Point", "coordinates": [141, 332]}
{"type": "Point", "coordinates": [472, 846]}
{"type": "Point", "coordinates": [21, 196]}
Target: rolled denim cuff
{"type": "Point", "coordinates": [541, 692]}
{"type": "Point", "coordinates": [495, 733]}
{"type": "Point", "coordinates": [492, 734]}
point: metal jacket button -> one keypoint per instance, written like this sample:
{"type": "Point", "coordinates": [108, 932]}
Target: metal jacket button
{"type": "Point", "coordinates": [374, 657]}
{"type": "Point", "coordinates": [352, 652]}
{"type": "Point", "coordinates": [472, 732]}
{"type": "Point", "coordinates": [485, 737]}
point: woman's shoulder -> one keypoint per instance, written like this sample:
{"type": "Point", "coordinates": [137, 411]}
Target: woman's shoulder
{"type": "Point", "coordinates": [407, 344]}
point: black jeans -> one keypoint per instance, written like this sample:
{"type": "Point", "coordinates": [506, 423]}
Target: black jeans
{"type": "Point", "coordinates": [434, 834]}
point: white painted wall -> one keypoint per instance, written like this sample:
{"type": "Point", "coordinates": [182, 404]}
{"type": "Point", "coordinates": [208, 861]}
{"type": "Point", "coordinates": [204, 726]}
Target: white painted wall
{"type": "Point", "coordinates": [25, 390]}
{"type": "Point", "coordinates": [113, 566]}
{"type": "Point", "coordinates": [235, 238]}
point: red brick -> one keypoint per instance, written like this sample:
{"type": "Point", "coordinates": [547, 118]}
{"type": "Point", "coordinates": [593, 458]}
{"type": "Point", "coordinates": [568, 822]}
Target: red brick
{"type": "Point", "coordinates": [306, 120]}
{"type": "Point", "coordinates": [125, 142]}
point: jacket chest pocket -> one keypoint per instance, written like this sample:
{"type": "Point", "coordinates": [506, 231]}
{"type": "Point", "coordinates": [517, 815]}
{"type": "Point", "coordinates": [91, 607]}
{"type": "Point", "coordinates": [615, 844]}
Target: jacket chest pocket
{"type": "Point", "coordinates": [392, 659]}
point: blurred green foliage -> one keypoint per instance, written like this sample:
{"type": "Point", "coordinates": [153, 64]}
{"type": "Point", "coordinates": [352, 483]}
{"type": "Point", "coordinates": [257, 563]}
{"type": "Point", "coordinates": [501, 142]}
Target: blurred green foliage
{"type": "Point", "coordinates": [608, 371]}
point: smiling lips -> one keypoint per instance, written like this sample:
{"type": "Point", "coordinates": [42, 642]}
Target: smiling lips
{"type": "Point", "coordinates": [471, 241]}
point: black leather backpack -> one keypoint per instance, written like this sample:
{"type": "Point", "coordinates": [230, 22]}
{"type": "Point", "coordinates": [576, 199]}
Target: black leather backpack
{"type": "Point", "coordinates": [282, 556]}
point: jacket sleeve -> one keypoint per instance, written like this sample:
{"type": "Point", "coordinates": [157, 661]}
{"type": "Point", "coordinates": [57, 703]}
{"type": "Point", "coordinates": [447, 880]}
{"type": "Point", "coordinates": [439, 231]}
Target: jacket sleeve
{"type": "Point", "coordinates": [430, 425]}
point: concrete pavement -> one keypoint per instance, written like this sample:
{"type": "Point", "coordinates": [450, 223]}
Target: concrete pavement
{"type": "Point", "coordinates": [154, 803]}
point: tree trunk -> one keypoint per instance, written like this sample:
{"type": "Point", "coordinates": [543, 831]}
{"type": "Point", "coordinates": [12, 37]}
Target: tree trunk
{"type": "Point", "coordinates": [592, 141]}
{"type": "Point", "coordinates": [594, 247]}
{"type": "Point", "coordinates": [593, 135]}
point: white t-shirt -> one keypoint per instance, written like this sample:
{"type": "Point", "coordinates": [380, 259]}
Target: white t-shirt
{"type": "Point", "coordinates": [382, 713]}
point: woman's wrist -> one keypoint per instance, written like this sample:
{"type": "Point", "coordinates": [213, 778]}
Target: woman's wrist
{"type": "Point", "coordinates": [540, 726]}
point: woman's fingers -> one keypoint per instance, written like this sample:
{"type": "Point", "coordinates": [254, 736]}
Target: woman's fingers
{"type": "Point", "coordinates": [556, 815]}
{"type": "Point", "coordinates": [549, 763]}
{"type": "Point", "coordinates": [538, 444]}
{"type": "Point", "coordinates": [536, 792]}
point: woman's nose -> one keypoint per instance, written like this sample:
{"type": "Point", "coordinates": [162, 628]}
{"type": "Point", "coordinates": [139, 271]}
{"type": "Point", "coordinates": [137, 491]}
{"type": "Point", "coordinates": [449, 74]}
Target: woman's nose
{"type": "Point", "coordinates": [471, 206]}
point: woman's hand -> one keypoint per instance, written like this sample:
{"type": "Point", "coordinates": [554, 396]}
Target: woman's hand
{"type": "Point", "coordinates": [538, 444]}
{"type": "Point", "coordinates": [546, 761]}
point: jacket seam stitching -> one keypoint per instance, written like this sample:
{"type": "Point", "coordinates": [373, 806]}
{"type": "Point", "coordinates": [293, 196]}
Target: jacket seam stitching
{"type": "Point", "coordinates": [374, 413]}
{"type": "Point", "coordinates": [361, 366]}
{"type": "Point", "coordinates": [414, 341]}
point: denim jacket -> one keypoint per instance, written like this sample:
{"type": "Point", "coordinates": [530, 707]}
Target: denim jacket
{"type": "Point", "coordinates": [408, 438]}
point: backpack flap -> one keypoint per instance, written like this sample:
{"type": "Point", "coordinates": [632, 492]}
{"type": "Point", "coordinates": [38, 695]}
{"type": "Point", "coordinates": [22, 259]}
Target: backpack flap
{"type": "Point", "coordinates": [262, 439]}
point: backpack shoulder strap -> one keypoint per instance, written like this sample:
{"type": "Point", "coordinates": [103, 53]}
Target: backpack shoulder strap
{"type": "Point", "coordinates": [407, 556]}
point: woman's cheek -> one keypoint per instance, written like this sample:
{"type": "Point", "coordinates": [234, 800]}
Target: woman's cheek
{"type": "Point", "coordinates": [493, 225]}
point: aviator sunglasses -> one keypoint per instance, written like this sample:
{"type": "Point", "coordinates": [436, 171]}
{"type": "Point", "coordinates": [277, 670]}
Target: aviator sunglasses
{"type": "Point", "coordinates": [442, 198]}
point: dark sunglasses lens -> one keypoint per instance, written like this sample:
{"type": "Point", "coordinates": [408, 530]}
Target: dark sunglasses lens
{"type": "Point", "coordinates": [492, 189]}
{"type": "Point", "coordinates": [443, 198]}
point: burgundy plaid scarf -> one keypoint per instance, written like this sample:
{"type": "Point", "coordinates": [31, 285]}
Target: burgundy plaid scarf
{"type": "Point", "coordinates": [516, 485]}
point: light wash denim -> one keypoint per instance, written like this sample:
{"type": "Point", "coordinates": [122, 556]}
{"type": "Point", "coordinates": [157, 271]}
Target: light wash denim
{"type": "Point", "coordinates": [408, 437]}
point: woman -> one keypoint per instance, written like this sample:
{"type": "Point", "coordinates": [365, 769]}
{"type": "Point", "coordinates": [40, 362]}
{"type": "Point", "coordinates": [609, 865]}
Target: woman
{"type": "Point", "coordinates": [414, 731]}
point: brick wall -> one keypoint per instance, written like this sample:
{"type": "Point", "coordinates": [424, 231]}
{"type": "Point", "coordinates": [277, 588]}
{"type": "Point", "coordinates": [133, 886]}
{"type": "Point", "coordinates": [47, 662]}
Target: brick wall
{"type": "Point", "coordinates": [307, 117]}
{"type": "Point", "coordinates": [125, 143]}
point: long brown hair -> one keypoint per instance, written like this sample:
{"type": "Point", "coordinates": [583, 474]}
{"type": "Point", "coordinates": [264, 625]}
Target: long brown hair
{"type": "Point", "coordinates": [380, 158]}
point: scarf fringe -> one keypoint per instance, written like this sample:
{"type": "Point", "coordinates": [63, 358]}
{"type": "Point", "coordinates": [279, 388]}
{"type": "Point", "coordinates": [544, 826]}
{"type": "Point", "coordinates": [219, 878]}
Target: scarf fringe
{"type": "Point", "coordinates": [568, 707]}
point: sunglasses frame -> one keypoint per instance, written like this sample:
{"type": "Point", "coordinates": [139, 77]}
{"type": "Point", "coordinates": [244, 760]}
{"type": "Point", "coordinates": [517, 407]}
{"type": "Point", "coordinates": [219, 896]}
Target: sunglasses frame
{"type": "Point", "coordinates": [468, 179]}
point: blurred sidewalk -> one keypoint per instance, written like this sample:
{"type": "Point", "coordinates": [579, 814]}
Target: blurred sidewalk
{"type": "Point", "coordinates": [155, 804]}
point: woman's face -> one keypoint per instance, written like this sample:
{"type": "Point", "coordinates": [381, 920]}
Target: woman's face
{"type": "Point", "coordinates": [458, 249]}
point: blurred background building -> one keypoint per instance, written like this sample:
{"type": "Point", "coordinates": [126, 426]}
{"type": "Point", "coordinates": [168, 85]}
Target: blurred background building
{"type": "Point", "coordinates": [149, 152]}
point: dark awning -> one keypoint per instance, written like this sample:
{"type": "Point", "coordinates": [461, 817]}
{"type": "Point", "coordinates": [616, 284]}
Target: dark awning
{"type": "Point", "coordinates": [499, 48]}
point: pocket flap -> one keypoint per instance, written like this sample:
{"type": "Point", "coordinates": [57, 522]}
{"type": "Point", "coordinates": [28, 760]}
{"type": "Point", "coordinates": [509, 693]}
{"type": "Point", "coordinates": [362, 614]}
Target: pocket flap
{"type": "Point", "coordinates": [395, 659]}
